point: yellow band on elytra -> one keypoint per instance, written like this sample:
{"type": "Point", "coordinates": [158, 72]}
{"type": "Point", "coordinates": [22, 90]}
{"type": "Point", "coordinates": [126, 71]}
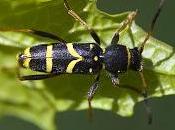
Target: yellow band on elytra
{"type": "Point", "coordinates": [49, 58]}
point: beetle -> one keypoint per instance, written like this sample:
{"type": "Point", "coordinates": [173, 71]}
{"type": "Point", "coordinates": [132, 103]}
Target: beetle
{"type": "Point", "coordinates": [85, 58]}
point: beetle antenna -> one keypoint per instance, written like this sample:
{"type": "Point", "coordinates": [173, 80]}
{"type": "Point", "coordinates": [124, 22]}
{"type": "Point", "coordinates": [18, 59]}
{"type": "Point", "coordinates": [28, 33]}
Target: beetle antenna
{"type": "Point", "coordinates": [155, 17]}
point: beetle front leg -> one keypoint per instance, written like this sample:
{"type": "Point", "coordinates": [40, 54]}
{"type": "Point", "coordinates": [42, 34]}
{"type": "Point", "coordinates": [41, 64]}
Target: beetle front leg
{"type": "Point", "coordinates": [114, 79]}
{"type": "Point", "coordinates": [126, 23]}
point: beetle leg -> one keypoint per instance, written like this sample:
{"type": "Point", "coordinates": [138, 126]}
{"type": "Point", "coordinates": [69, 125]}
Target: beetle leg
{"type": "Point", "coordinates": [114, 79]}
{"type": "Point", "coordinates": [127, 22]}
{"type": "Point", "coordinates": [36, 77]}
{"type": "Point", "coordinates": [81, 21]}
{"type": "Point", "coordinates": [38, 33]}
{"type": "Point", "coordinates": [91, 93]}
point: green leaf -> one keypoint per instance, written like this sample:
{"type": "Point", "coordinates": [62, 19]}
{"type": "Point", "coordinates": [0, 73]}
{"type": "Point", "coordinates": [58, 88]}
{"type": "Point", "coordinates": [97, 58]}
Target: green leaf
{"type": "Point", "coordinates": [38, 101]}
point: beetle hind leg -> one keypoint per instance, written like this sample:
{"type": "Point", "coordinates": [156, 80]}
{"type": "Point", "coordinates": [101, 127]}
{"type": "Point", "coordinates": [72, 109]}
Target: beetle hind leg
{"type": "Point", "coordinates": [36, 77]}
{"type": "Point", "coordinates": [36, 32]}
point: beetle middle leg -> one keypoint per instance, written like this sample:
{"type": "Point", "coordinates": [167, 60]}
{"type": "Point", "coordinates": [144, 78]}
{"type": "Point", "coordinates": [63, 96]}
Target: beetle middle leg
{"type": "Point", "coordinates": [91, 93]}
{"type": "Point", "coordinates": [82, 22]}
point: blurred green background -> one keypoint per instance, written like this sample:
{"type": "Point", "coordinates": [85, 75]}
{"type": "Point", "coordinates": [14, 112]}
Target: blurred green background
{"type": "Point", "coordinates": [163, 108]}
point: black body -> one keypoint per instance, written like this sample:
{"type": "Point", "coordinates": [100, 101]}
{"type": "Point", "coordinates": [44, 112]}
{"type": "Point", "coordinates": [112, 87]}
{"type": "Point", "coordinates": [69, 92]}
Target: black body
{"type": "Point", "coordinates": [88, 58]}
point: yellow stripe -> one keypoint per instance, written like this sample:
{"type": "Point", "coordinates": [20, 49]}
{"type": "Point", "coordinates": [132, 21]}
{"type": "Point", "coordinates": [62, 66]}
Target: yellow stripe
{"type": "Point", "coordinates": [71, 65]}
{"type": "Point", "coordinates": [91, 46]}
{"type": "Point", "coordinates": [72, 51]}
{"type": "Point", "coordinates": [28, 57]}
{"type": "Point", "coordinates": [129, 57]}
{"type": "Point", "coordinates": [27, 52]}
{"type": "Point", "coordinates": [95, 58]}
{"type": "Point", "coordinates": [49, 58]}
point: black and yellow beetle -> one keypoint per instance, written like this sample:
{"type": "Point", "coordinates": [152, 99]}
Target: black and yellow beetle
{"type": "Point", "coordinates": [85, 58]}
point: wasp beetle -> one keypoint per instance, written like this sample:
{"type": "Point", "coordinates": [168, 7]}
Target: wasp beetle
{"type": "Point", "coordinates": [85, 58]}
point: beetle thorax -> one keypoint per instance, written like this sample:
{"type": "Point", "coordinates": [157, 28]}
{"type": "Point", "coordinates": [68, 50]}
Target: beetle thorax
{"type": "Point", "coordinates": [119, 58]}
